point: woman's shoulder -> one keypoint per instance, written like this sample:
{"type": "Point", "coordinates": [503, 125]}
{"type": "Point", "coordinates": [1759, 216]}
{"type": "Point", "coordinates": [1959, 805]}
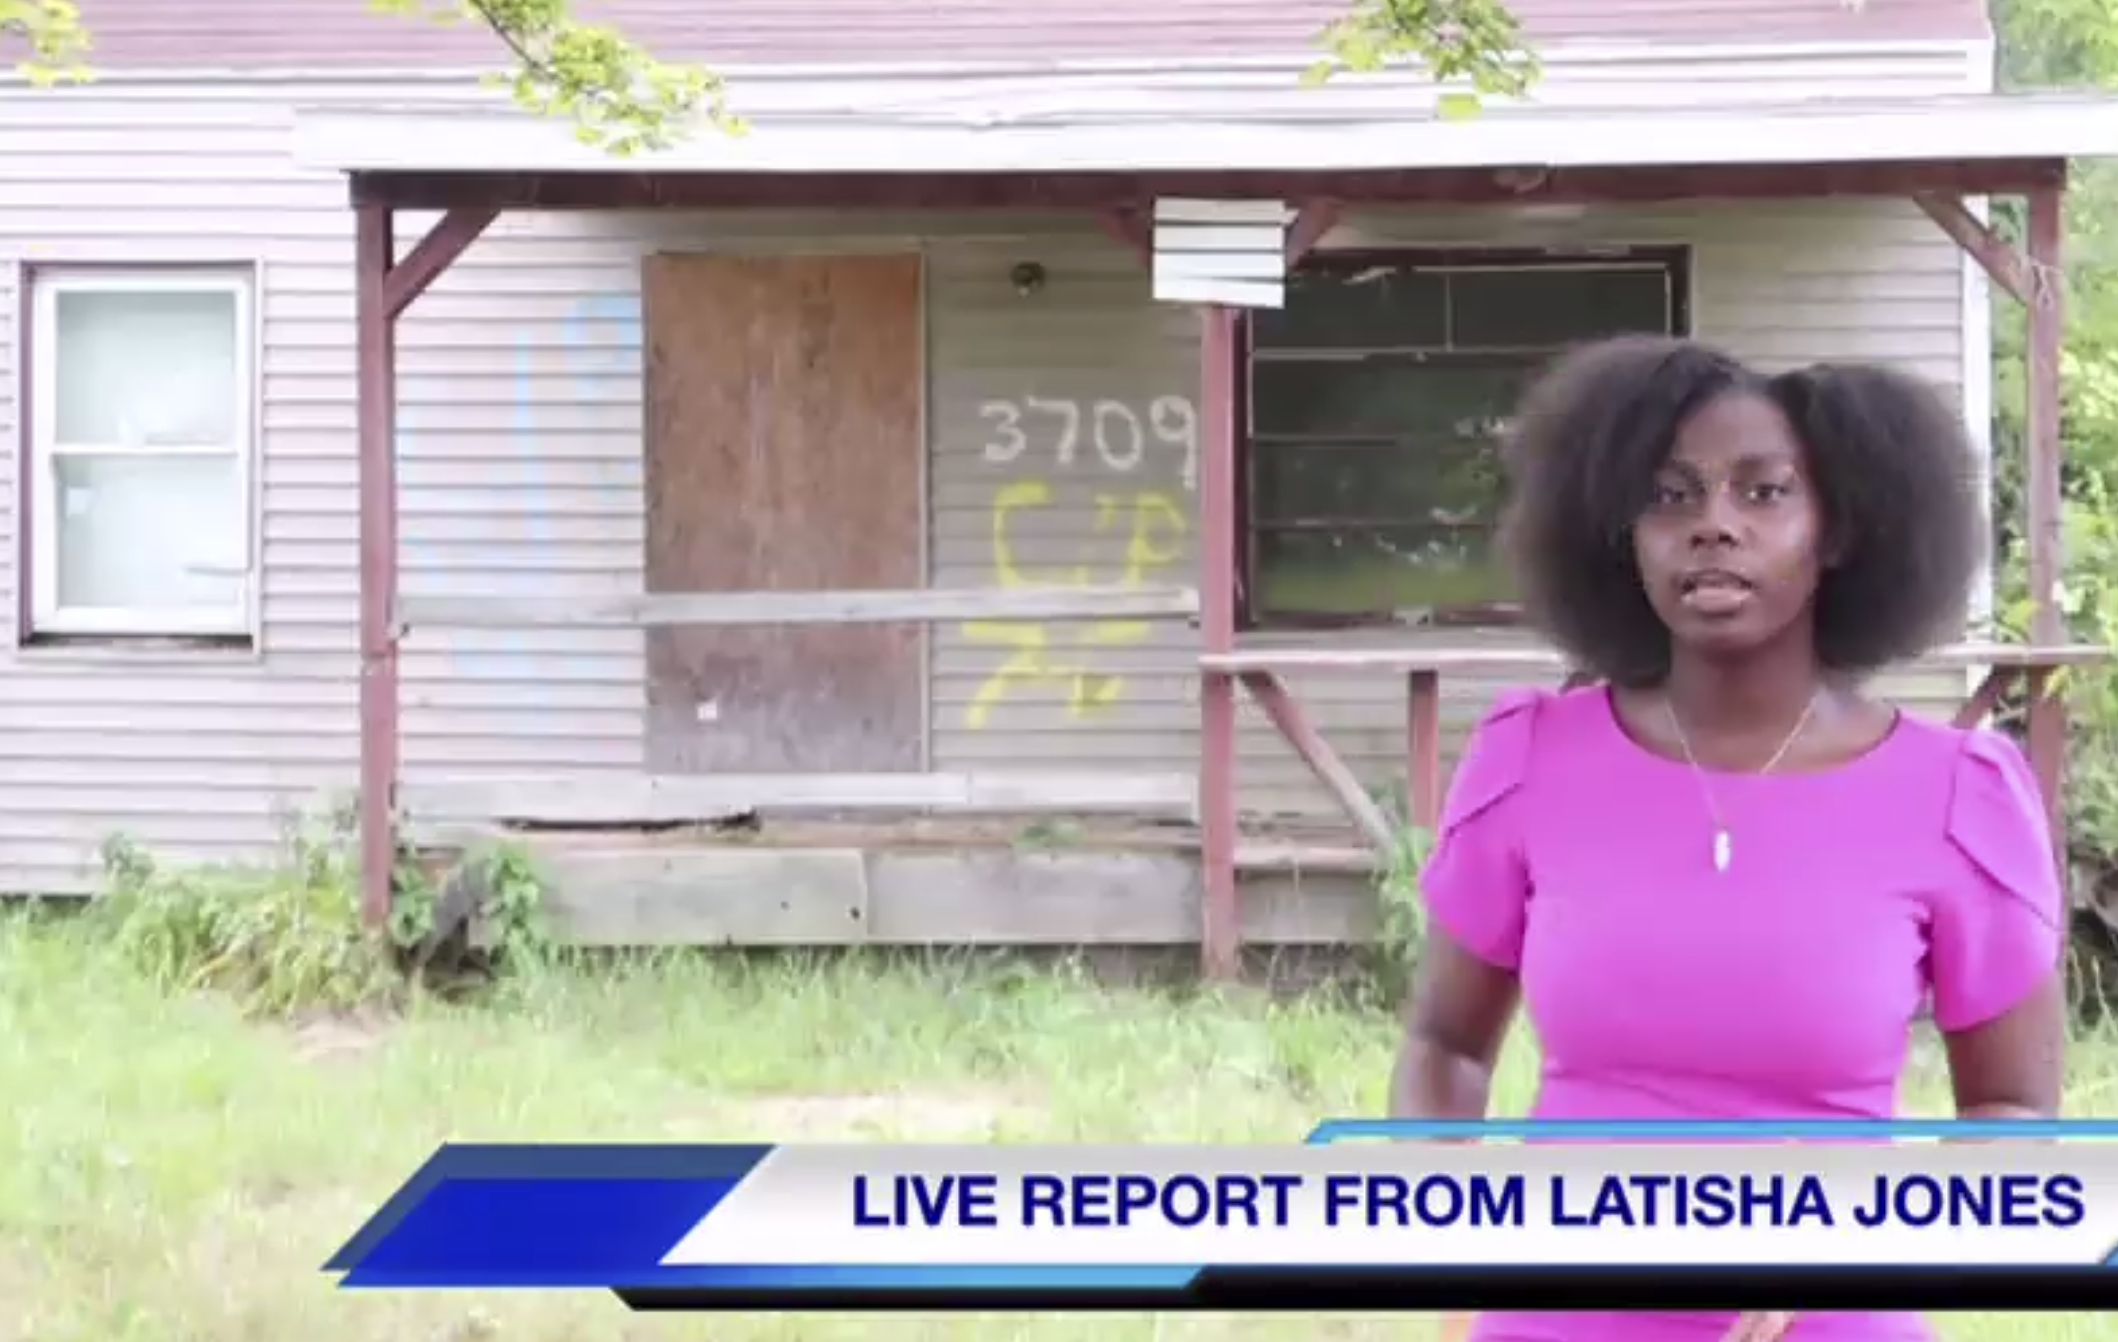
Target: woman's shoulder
{"type": "Point", "coordinates": [1980, 782]}
{"type": "Point", "coordinates": [1521, 720]}
{"type": "Point", "coordinates": [1524, 726]}
{"type": "Point", "coordinates": [1979, 756]}
{"type": "Point", "coordinates": [1995, 812]}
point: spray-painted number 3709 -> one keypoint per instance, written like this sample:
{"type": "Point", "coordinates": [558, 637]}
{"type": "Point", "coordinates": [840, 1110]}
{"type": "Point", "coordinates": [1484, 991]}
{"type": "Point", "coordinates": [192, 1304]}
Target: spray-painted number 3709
{"type": "Point", "coordinates": [1119, 435]}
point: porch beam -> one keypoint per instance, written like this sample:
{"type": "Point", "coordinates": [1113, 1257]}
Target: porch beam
{"type": "Point", "coordinates": [911, 606]}
{"type": "Point", "coordinates": [383, 288]}
{"type": "Point", "coordinates": [599, 800]}
{"type": "Point", "coordinates": [1131, 231]}
{"type": "Point", "coordinates": [1279, 706]}
{"type": "Point", "coordinates": [1979, 708]}
{"type": "Point", "coordinates": [1529, 663]}
{"type": "Point", "coordinates": [1221, 932]}
{"type": "Point", "coordinates": [374, 250]}
{"type": "Point", "coordinates": [1423, 785]}
{"type": "Point", "coordinates": [2045, 504]}
{"type": "Point", "coordinates": [1994, 254]}
{"type": "Point", "coordinates": [433, 254]}
{"type": "Point", "coordinates": [1105, 191]}
{"type": "Point", "coordinates": [1316, 218]}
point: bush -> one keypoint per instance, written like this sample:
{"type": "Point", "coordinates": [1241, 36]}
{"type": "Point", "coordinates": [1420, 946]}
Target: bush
{"type": "Point", "coordinates": [286, 936]}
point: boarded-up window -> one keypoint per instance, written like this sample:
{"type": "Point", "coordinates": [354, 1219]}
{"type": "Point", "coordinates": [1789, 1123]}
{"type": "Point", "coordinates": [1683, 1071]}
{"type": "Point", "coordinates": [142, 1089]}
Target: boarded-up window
{"type": "Point", "coordinates": [784, 455]}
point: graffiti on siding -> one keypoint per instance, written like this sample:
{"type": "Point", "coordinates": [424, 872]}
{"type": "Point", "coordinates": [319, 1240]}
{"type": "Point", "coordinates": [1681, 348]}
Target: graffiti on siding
{"type": "Point", "coordinates": [511, 654]}
{"type": "Point", "coordinates": [1135, 537]}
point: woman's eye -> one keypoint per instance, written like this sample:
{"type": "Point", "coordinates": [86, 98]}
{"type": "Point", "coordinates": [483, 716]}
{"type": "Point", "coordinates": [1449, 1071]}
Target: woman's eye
{"type": "Point", "coordinates": [1768, 493]}
{"type": "Point", "coordinates": [1668, 496]}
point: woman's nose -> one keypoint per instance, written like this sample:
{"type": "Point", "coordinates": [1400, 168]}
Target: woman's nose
{"type": "Point", "coordinates": [1715, 521]}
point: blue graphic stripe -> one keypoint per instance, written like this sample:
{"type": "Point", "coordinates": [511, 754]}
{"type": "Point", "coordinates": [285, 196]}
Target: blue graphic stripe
{"type": "Point", "coordinates": [537, 1182]}
{"type": "Point", "coordinates": [722, 1277]}
{"type": "Point", "coordinates": [548, 1232]}
{"type": "Point", "coordinates": [1358, 1129]}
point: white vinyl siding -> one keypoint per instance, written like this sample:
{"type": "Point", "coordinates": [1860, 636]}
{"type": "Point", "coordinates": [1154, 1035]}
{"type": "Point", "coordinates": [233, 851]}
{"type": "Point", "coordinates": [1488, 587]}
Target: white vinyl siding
{"type": "Point", "coordinates": [520, 460]}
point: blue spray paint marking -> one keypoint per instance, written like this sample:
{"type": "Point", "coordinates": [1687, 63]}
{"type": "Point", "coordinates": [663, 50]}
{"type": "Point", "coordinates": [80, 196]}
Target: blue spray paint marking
{"type": "Point", "coordinates": [510, 653]}
{"type": "Point", "coordinates": [586, 357]}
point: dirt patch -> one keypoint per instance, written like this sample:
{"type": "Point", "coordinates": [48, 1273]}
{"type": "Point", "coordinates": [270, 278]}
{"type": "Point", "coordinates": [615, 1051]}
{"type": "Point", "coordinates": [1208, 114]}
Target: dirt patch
{"type": "Point", "coordinates": [923, 1115]}
{"type": "Point", "coordinates": [334, 1038]}
{"type": "Point", "coordinates": [21, 1273]}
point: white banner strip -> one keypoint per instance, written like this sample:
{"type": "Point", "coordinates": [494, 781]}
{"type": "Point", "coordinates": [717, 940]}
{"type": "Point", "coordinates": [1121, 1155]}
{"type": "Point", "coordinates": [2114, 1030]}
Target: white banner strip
{"type": "Point", "coordinates": [1397, 1204]}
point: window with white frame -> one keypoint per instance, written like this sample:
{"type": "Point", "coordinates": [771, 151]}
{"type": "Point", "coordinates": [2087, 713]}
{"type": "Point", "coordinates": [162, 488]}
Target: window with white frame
{"type": "Point", "coordinates": [142, 431]}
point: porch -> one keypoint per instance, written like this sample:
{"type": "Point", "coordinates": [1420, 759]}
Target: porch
{"type": "Point", "coordinates": [1104, 877]}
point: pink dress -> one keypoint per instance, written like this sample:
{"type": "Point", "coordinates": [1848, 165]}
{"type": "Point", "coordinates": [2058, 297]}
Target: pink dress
{"type": "Point", "coordinates": [1784, 987]}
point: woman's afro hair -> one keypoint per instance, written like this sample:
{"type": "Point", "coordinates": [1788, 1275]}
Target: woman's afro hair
{"type": "Point", "coordinates": [1892, 467]}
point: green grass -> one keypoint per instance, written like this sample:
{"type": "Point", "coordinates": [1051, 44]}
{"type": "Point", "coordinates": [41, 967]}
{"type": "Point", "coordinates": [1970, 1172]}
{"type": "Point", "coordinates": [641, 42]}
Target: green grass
{"type": "Point", "coordinates": [173, 1172]}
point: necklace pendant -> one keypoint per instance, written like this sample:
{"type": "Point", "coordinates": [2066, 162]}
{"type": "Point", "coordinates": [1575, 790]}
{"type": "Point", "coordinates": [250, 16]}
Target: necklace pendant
{"type": "Point", "coordinates": [1721, 847]}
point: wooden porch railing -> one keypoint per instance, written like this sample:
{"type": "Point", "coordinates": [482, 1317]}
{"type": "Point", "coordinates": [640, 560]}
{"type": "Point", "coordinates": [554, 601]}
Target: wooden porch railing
{"type": "Point", "coordinates": [1260, 671]}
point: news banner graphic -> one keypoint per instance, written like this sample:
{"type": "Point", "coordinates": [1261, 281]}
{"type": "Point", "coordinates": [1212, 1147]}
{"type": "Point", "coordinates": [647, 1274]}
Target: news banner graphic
{"type": "Point", "coordinates": [1446, 1216]}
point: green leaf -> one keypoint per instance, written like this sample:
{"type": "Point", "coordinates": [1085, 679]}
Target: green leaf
{"type": "Point", "coordinates": [1473, 43]}
{"type": "Point", "coordinates": [1457, 106]}
{"type": "Point", "coordinates": [58, 44]}
{"type": "Point", "coordinates": [618, 96]}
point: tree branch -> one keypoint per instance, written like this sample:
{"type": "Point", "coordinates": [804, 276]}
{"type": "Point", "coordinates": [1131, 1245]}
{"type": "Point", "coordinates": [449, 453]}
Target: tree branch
{"type": "Point", "coordinates": [617, 94]}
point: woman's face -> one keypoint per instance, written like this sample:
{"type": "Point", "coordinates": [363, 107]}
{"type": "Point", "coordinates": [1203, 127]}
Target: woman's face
{"type": "Point", "coordinates": [1729, 547]}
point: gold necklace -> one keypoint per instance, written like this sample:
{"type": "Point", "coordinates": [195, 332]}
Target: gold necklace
{"type": "Point", "coordinates": [1724, 846]}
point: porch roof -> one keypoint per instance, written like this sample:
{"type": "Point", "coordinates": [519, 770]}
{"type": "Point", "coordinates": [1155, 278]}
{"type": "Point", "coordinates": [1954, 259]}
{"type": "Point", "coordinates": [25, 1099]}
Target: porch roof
{"type": "Point", "coordinates": [1226, 129]}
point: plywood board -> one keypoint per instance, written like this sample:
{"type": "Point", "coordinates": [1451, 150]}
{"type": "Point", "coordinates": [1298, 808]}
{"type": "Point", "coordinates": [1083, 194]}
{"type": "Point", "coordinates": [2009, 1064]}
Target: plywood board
{"type": "Point", "coordinates": [629, 896]}
{"type": "Point", "coordinates": [784, 450]}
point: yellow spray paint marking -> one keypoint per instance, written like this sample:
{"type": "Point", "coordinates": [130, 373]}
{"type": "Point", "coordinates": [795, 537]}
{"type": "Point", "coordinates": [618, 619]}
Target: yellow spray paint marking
{"type": "Point", "coordinates": [1153, 527]}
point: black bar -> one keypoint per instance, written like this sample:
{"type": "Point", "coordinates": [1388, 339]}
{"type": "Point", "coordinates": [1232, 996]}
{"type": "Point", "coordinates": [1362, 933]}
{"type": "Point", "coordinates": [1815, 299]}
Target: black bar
{"type": "Point", "coordinates": [1264, 1290]}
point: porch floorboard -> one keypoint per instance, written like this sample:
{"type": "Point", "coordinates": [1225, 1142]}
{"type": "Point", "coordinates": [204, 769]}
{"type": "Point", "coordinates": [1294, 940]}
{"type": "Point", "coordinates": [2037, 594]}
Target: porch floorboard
{"type": "Point", "coordinates": [942, 881]}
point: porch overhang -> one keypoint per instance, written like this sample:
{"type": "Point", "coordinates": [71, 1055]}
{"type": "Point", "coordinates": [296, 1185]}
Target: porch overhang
{"type": "Point", "coordinates": [1086, 148]}
{"type": "Point", "coordinates": [1221, 136]}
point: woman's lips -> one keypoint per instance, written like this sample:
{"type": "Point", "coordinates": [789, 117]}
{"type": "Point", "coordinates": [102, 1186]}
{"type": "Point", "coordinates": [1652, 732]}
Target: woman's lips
{"type": "Point", "coordinates": [1715, 594]}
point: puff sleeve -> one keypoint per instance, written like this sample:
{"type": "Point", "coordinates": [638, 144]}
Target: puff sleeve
{"type": "Point", "coordinates": [1996, 930]}
{"type": "Point", "coordinates": [1476, 882]}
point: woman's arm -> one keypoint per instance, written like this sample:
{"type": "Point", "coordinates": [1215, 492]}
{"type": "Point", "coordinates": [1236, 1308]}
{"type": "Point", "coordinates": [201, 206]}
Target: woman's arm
{"type": "Point", "coordinates": [1454, 1028]}
{"type": "Point", "coordinates": [2011, 1067]}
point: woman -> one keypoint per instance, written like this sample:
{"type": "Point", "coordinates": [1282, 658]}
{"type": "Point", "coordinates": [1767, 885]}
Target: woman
{"type": "Point", "coordinates": [1725, 880]}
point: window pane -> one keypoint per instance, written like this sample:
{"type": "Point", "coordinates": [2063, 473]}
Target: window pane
{"type": "Point", "coordinates": [1382, 307]}
{"type": "Point", "coordinates": [1377, 569]}
{"type": "Point", "coordinates": [145, 368]}
{"type": "Point", "coordinates": [1443, 485]}
{"type": "Point", "coordinates": [1543, 308]}
{"type": "Point", "coordinates": [134, 531]}
{"type": "Point", "coordinates": [1392, 398]}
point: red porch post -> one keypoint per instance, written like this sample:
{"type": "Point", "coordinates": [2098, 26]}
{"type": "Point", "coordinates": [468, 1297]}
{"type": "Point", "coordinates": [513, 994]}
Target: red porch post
{"type": "Point", "coordinates": [2032, 276]}
{"type": "Point", "coordinates": [375, 249]}
{"type": "Point", "coordinates": [383, 288]}
{"type": "Point", "coordinates": [2045, 503]}
{"type": "Point", "coordinates": [1221, 914]}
